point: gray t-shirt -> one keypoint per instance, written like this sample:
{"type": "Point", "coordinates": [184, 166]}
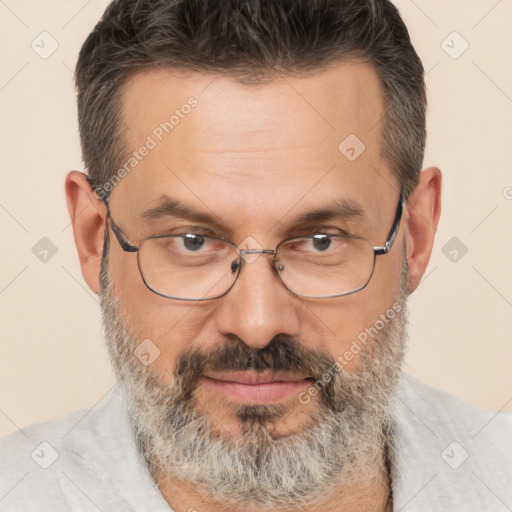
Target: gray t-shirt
{"type": "Point", "coordinates": [448, 457]}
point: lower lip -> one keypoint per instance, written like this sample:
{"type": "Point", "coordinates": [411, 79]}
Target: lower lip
{"type": "Point", "coordinates": [257, 393]}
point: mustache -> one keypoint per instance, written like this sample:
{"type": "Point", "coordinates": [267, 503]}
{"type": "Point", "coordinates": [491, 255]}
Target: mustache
{"type": "Point", "coordinates": [282, 354]}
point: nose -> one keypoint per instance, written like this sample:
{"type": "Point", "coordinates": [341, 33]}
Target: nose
{"type": "Point", "coordinates": [258, 307]}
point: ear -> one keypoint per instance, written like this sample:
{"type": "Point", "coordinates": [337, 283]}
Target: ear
{"type": "Point", "coordinates": [423, 211]}
{"type": "Point", "coordinates": [88, 214]}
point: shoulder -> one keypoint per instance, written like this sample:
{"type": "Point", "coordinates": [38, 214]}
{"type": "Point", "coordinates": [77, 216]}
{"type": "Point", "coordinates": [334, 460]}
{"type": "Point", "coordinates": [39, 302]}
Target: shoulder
{"type": "Point", "coordinates": [88, 461]}
{"type": "Point", "coordinates": [36, 461]}
{"type": "Point", "coordinates": [446, 415]}
{"type": "Point", "coordinates": [28, 458]}
{"type": "Point", "coordinates": [450, 453]}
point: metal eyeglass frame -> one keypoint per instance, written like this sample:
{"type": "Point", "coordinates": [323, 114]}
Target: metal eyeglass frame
{"type": "Point", "coordinates": [377, 251]}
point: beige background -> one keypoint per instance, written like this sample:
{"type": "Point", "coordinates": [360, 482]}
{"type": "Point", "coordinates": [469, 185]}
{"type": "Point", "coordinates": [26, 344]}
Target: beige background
{"type": "Point", "coordinates": [52, 357]}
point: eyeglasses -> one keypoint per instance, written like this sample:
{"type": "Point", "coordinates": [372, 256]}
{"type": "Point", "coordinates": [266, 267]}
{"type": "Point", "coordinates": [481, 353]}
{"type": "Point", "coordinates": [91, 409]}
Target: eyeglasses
{"type": "Point", "coordinates": [197, 267]}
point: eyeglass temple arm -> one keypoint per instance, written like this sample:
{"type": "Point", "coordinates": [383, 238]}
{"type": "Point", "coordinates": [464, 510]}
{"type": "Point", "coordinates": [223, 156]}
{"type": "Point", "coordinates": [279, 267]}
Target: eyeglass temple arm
{"type": "Point", "coordinates": [378, 250]}
{"type": "Point", "coordinates": [394, 228]}
{"type": "Point", "coordinates": [118, 233]}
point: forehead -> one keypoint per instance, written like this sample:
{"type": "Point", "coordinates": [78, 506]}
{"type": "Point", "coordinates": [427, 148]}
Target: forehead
{"type": "Point", "coordinates": [257, 149]}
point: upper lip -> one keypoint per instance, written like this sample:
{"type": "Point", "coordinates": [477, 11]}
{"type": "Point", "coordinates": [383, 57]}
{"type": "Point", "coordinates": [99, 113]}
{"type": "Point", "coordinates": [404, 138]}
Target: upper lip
{"type": "Point", "coordinates": [255, 378]}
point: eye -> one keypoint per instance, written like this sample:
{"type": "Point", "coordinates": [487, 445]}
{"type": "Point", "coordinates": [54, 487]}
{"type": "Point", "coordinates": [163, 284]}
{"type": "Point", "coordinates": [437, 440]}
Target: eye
{"type": "Point", "coordinates": [319, 244]}
{"type": "Point", "coordinates": [196, 243]}
{"type": "Point", "coordinates": [192, 242]}
{"type": "Point", "coordinates": [322, 242]}
{"type": "Point", "coordinates": [186, 250]}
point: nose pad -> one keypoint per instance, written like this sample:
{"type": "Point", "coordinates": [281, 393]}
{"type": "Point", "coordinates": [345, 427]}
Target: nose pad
{"type": "Point", "coordinates": [278, 267]}
{"type": "Point", "coordinates": [235, 265]}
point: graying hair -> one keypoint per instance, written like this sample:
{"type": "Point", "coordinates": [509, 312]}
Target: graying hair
{"type": "Point", "coordinates": [252, 41]}
{"type": "Point", "coordinates": [344, 440]}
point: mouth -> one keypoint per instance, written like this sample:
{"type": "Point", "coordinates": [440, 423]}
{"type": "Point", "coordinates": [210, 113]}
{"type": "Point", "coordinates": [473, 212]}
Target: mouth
{"type": "Point", "coordinates": [256, 388]}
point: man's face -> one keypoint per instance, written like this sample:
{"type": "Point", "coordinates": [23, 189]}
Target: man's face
{"type": "Point", "coordinates": [254, 159]}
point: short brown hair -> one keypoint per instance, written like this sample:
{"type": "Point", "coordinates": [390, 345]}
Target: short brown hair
{"type": "Point", "coordinates": [249, 40]}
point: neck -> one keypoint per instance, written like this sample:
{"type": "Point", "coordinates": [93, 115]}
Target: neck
{"type": "Point", "coordinates": [363, 493]}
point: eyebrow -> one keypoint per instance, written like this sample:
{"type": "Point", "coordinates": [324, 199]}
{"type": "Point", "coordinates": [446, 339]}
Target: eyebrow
{"type": "Point", "coordinates": [342, 209]}
{"type": "Point", "coordinates": [174, 208]}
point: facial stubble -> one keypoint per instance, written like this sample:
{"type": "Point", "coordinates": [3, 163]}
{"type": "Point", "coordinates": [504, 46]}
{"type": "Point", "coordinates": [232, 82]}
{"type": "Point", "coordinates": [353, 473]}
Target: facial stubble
{"type": "Point", "coordinates": [346, 435]}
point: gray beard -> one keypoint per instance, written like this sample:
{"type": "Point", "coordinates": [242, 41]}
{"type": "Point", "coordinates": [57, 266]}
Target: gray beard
{"type": "Point", "coordinates": [343, 441]}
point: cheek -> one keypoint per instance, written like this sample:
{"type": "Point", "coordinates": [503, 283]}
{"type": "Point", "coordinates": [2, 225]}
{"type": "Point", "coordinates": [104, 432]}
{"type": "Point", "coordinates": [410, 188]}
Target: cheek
{"type": "Point", "coordinates": [333, 326]}
{"type": "Point", "coordinates": [171, 325]}
{"type": "Point", "coordinates": [344, 326]}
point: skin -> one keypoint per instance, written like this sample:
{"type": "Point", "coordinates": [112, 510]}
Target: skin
{"type": "Point", "coordinates": [256, 157]}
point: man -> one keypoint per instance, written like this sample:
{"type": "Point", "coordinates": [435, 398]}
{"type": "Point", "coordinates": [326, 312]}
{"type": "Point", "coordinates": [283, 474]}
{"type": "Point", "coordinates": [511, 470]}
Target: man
{"type": "Point", "coordinates": [253, 219]}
